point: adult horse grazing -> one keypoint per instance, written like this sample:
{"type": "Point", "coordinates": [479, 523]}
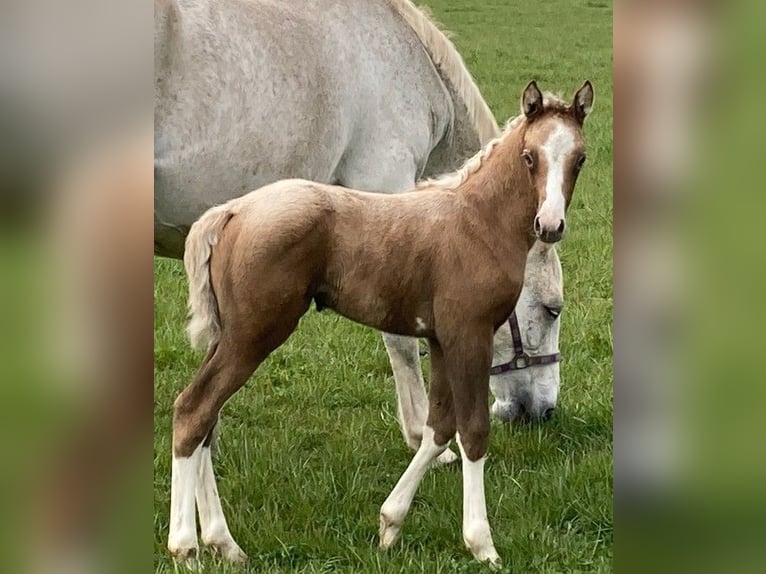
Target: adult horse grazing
{"type": "Point", "coordinates": [445, 263]}
{"type": "Point", "coordinates": [367, 94]}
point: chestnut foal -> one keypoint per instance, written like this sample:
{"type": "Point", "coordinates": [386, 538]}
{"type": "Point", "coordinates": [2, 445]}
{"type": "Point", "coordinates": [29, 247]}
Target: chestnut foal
{"type": "Point", "coordinates": [445, 263]}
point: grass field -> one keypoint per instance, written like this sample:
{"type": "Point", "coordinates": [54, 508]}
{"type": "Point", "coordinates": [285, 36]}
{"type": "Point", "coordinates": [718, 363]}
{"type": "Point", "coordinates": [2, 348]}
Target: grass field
{"type": "Point", "coordinates": [311, 447]}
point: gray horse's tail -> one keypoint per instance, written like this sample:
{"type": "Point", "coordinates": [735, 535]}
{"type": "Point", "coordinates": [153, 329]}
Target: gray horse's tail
{"type": "Point", "coordinates": [204, 327]}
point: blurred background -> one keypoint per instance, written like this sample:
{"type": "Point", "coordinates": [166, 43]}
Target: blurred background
{"type": "Point", "coordinates": [76, 154]}
{"type": "Point", "coordinates": [76, 259]}
{"type": "Point", "coordinates": [689, 463]}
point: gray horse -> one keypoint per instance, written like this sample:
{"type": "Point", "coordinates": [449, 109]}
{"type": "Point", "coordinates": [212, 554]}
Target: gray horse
{"type": "Point", "coordinates": [365, 94]}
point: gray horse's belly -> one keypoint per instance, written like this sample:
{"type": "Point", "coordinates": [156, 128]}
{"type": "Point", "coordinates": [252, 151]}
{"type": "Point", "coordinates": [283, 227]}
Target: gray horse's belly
{"type": "Point", "coordinates": [169, 240]}
{"type": "Point", "coordinates": [191, 178]}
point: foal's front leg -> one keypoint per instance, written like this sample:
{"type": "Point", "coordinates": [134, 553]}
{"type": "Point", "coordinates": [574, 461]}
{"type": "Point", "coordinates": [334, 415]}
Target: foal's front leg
{"type": "Point", "coordinates": [468, 363]}
{"type": "Point", "coordinates": [404, 354]}
{"type": "Point", "coordinates": [437, 432]}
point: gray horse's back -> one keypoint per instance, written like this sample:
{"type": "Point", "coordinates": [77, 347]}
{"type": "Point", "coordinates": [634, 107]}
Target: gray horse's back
{"type": "Point", "coordinates": [252, 91]}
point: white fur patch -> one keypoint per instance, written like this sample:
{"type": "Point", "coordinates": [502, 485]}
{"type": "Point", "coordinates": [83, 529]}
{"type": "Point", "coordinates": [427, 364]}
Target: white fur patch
{"type": "Point", "coordinates": [558, 147]}
{"type": "Point", "coordinates": [476, 531]}
{"type": "Point", "coordinates": [398, 503]}
{"type": "Point", "coordinates": [183, 520]}
{"type": "Point", "coordinates": [420, 325]}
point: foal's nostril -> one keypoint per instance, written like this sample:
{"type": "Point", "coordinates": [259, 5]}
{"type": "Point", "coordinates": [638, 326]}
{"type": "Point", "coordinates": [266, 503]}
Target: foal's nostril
{"type": "Point", "coordinates": [561, 227]}
{"type": "Point", "coordinates": [538, 228]}
{"type": "Point", "coordinates": [548, 413]}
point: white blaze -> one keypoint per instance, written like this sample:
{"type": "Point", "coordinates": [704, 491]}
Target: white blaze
{"type": "Point", "coordinates": [558, 147]}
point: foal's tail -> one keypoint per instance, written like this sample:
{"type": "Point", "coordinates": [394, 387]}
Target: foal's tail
{"type": "Point", "coordinates": [204, 327]}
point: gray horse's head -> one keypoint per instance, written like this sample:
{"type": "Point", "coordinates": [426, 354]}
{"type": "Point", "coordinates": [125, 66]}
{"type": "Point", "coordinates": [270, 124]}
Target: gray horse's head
{"type": "Point", "coordinates": [532, 391]}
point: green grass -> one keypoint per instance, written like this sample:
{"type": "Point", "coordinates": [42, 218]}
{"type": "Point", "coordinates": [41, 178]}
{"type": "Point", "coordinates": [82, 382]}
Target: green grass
{"type": "Point", "coordinates": [311, 447]}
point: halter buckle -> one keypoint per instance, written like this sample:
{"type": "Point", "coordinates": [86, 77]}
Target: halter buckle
{"type": "Point", "coordinates": [520, 361]}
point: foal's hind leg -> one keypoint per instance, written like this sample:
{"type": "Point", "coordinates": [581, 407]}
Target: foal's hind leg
{"type": "Point", "coordinates": [437, 432]}
{"type": "Point", "coordinates": [195, 414]}
{"type": "Point", "coordinates": [403, 352]}
{"type": "Point", "coordinates": [214, 529]}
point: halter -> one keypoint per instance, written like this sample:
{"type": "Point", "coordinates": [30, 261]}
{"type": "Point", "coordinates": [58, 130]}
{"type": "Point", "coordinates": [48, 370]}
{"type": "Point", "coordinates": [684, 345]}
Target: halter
{"type": "Point", "coordinates": [522, 360]}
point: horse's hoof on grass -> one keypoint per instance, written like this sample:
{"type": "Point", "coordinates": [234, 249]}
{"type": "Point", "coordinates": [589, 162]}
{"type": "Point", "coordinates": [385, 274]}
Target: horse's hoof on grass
{"type": "Point", "coordinates": [187, 558]}
{"type": "Point", "coordinates": [490, 558]}
{"type": "Point", "coordinates": [478, 540]}
{"type": "Point", "coordinates": [388, 533]}
{"type": "Point", "coordinates": [229, 551]}
{"type": "Point", "coordinates": [445, 458]}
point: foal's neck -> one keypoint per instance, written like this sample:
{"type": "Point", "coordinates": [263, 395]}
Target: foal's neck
{"type": "Point", "coordinates": [501, 192]}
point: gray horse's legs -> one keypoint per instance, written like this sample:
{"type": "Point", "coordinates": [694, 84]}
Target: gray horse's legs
{"type": "Point", "coordinates": [403, 352]}
{"type": "Point", "coordinates": [410, 389]}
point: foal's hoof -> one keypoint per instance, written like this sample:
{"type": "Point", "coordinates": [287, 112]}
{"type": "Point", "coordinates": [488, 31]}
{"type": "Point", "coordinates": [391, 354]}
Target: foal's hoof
{"type": "Point", "coordinates": [229, 551]}
{"type": "Point", "coordinates": [479, 541]}
{"type": "Point", "coordinates": [445, 458]}
{"type": "Point", "coordinates": [186, 557]}
{"type": "Point", "coordinates": [490, 558]}
{"type": "Point", "coordinates": [494, 563]}
{"type": "Point", "coordinates": [388, 533]}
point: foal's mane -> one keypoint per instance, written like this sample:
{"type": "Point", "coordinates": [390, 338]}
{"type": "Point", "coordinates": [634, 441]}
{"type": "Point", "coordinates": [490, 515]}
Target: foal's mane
{"type": "Point", "coordinates": [447, 59]}
{"type": "Point", "coordinates": [552, 104]}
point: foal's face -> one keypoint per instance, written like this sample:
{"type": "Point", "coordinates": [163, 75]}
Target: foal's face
{"type": "Point", "coordinates": [554, 153]}
{"type": "Point", "coordinates": [532, 391]}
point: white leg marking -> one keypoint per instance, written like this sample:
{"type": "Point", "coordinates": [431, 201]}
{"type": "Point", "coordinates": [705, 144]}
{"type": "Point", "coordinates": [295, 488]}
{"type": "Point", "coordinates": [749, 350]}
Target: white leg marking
{"type": "Point", "coordinates": [396, 506]}
{"type": "Point", "coordinates": [213, 527]}
{"type": "Point", "coordinates": [476, 532]}
{"type": "Point", "coordinates": [182, 537]}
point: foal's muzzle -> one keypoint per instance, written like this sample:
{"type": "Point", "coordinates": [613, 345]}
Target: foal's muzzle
{"type": "Point", "coordinates": [549, 233]}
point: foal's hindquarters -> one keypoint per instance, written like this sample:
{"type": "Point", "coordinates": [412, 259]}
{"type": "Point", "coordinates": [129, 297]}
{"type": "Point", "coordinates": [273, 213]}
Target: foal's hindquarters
{"type": "Point", "coordinates": [250, 332]}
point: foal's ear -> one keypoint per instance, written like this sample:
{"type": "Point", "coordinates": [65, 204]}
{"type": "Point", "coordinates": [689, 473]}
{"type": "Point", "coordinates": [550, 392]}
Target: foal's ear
{"type": "Point", "coordinates": [583, 102]}
{"type": "Point", "coordinates": [532, 100]}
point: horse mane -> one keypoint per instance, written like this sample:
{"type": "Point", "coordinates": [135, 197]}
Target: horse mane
{"type": "Point", "coordinates": [552, 103]}
{"type": "Point", "coordinates": [446, 58]}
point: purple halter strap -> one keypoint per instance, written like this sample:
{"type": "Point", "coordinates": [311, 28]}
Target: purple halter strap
{"type": "Point", "coordinates": [521, 360]}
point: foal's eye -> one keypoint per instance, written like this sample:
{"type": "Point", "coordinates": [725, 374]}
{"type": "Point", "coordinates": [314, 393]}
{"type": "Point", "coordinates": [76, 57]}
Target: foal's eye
{"type": "Point", "coordinates": [581, 162]}
{"type": "Point", "coordinates": [553, 310]}
{"type": "Point", "coordinates": [528, 159]}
